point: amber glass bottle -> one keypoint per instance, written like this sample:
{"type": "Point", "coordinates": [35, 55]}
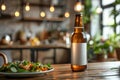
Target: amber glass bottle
{"type": "Point", "coordinates": [79, 46]}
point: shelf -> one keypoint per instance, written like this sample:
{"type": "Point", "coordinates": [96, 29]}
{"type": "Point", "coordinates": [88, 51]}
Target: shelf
{"type": "Point", "coordinates": [53, 19]}
{"type": "Point", "coordinates": [44, 5]}
{"type": "Point", "coordinates": [5, 16]}
{"type": "Point", "coordinates": [42, 19]}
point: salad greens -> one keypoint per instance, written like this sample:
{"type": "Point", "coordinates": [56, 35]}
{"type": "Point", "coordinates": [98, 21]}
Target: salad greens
{"type": "Point", "coordinates": [24, 66]}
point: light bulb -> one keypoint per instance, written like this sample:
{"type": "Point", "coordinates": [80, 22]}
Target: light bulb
{"type": "Point", "coordinates": [67, 14]}
{"type": "Point", "coordinates": [52, 9]}
{"type": "Point", "coordinates": [99, 10]}
{"type": "Point", "coordinates": [17, 13]}
{"type": "Point", "coordinates": [42, 14]}
{"type": "Point", "coordinates": [27, 7]}
{"type": "Point", "coordinates": [3, 7]}
{"type": "Point", "coordinates": [78, 7]}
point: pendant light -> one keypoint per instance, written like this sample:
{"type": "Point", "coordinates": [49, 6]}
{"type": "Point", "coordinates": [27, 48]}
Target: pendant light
{"type": "Point", "coordinates": [67, 14]}
{"type": "Point", "coordinates": [3, 7]}
{"type": "Point", "coordinates": [52, 8]}
{"type": "Point", "coordinates": [78, 6]}
{"type": "Point", "coordinates": [17, 13]}
{"type": "Point", "coordinates": [27, 7]}
{"type": "Point", "coordinates": [42, 14]}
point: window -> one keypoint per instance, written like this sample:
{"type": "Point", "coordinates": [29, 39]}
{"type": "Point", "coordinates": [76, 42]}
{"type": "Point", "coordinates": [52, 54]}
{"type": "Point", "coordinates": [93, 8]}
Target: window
{"type": "Point", "coordinates": [118, 29]}
{"type": "Point", "coordinates": [107, 31]}
{"type": "Point", "coordinates": [109, 20]}
{"type": "Point", "coordinates": [106, 2]}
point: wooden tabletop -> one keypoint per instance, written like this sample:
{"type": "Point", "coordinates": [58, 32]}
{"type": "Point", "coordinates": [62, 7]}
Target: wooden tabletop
{"type": "Point", "coordinates": [95, 71]}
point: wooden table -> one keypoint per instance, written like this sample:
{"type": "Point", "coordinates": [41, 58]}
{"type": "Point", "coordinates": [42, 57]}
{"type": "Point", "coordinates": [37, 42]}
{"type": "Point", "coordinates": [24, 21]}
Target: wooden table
{"type": "Point", "coordinates": [95, 71]}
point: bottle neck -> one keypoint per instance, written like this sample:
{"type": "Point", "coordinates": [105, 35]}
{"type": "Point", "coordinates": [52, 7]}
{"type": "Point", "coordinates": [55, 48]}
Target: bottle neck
{"type": "Point", "coordinates": [78, 29]}
{"type": "Point", "coordinates": [78, 21]}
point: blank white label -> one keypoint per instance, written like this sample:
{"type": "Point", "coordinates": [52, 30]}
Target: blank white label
{"type": "Point", "coordinates": [79, 54]}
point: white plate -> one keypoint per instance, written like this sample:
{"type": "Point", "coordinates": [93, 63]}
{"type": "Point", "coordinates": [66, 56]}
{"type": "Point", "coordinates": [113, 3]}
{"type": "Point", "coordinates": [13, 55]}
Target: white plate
{"type": "Point", "coordinates": [25, 74]}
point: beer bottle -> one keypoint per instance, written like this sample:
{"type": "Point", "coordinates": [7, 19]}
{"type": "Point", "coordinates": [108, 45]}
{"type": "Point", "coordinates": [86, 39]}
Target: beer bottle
{"type": "Point", "coordinates": [78, 46]}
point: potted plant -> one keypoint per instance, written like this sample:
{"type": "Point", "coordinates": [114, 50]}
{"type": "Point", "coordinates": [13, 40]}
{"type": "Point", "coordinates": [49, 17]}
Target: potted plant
{"type": "Point", "coordinates": [116, 37]}
{"type": "Point", "coordinates": [114, 41]}
{"type": "Point", "coordinates": [100, 48]}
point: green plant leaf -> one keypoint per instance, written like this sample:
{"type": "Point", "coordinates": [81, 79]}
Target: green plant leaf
{"type": "Point", "coordinates": [13, 69]}
{"type": "Point", "coordinates": [22, 70]}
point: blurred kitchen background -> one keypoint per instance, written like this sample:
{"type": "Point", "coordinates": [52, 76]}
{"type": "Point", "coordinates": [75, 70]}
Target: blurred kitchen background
{"type": "Point", "coordinates": [51, 22]}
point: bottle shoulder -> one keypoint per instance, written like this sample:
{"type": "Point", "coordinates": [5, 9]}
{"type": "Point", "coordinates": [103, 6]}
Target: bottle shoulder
{"type": "Point", "coordinates": [79, 34]}
{"type": "Point", "coordinates": [78, 38]}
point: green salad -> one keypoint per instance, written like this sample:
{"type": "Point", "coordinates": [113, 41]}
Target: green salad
{"type": "Point", "coordinates": [24, 66]}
